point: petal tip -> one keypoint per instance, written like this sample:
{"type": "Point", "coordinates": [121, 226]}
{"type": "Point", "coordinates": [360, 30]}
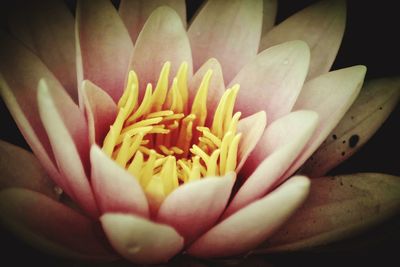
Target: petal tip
{"type": "Point", "coordinates": [95, 151]}
{"type": "Point", "coordinates": [167, 14]}
{"type": "Point", "coordinates": [357, 70]}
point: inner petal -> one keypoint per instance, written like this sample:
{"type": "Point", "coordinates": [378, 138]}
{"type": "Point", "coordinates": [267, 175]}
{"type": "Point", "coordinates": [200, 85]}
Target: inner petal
{"type": "Point", "coordinates": [164, 140]}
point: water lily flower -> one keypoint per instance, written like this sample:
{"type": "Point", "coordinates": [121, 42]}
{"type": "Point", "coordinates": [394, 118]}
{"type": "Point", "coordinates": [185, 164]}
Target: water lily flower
{"type": "Point", "coordinates": [151, 137]}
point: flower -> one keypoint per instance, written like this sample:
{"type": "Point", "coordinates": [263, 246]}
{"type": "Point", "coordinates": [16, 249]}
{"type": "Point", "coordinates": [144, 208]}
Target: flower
{"type": "Point", "coordinates": [158, 191]}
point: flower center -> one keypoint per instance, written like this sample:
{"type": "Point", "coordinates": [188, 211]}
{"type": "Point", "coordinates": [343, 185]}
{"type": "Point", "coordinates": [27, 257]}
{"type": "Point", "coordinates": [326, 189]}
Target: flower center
{"type": "Point", "coordinates": [165, 143]}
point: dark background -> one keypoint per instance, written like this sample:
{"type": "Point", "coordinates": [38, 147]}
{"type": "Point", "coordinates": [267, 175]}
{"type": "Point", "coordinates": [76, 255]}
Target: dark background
{"type": "Point", "coordinates": [371, 39]}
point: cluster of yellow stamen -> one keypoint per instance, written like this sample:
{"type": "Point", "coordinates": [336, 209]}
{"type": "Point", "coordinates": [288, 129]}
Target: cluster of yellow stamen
{"type": "Point", "coordinates": [163, 143]}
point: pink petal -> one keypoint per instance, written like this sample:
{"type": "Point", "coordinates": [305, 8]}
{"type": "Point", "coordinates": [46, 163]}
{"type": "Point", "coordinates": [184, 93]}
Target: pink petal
{"type": "Point", "coordinates": [115, 189]}
{"type": "Point", "coordinates": [376, 101]}
{"type": "Point", "coordinates": [37, 25]}
{"type": "Point", "coordinates": [21, 71]}
{"type": "Point", "coordinates": [221, 30]}
{"type": "Point", "coordinates": [252, 128]}
{"type": "Point", "coordinates": [338, 208]}
{"type": "Point", "coordinates": [216, 87]}
{"type": "Point", "coordinates": [321, 26]}
{"type": "Point", "coordinates": [330, 95]}
{"type": "Point", "coordinates": [269, 14]}
{"type": "Point", "coordinates": [41, 148]}
{"type": "Point", "coordinates": [19, 168]}
{"type": "Point", "coordinates": [195, 207]}
{"type": "Point", "coordinates": [103, 46]}
{"type": "Point", "coordinates": [100, 111]}
{"type": "Point", "coordinates": [66, 152]}
{"type": "Point", "coordinates": [50, 225]}
{"type": "Point", "coordinates": [281, 143]}
{"type": "Point", "coordinates": [135, 13]}
{"type": "Point", "coordinates": [163, 32]}
{"type": "Point", "coordinates": [273, 80]}
{"type": "Point", "coordinates": [251, 225]}
{"type": "Point", "coordinates": [140, 240]}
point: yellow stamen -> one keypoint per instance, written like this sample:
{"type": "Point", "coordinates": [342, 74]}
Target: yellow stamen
{"type": "Point", "coordinates": [206, 132]}
{"type": "Point", "coordinates": [162, 145]}
{"type": "Point", "coordinates": [136, 165]}
{"type": "Point", "coordinates": [131, 89]}
{"type": "Point", "coordinates": [162, 113]}
{"type": "Point", "coordinates": [199, 107]}
{"type": "Point", "coordinates": [232, 154]}
{"type": "Point", "coordinates": [160, 93]}
{"type": "Point", "coordinates": [144, 106]}
{"type": "Point", "coordinates": [183, 84]}
{"type": "Point", "coordinates": [224, 151]}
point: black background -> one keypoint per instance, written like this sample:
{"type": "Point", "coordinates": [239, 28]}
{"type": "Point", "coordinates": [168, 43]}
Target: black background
{"type": "Point", "coordinates": [371, 39]}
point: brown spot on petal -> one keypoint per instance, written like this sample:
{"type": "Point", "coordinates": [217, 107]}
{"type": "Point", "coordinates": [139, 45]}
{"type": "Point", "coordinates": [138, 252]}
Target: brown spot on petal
{"type": "Point", "coordinates": [353, 141]}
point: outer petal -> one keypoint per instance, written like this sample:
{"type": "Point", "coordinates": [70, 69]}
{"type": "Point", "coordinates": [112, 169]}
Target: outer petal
{"type": "Point", "coordinates": [252, 129]}
{"type": "Point", "coordinates": [216, 87]}
{"type": "Point", "coordinates": [269, 14]}
{"type": "Point", "coordinates": [41, 148]}
{"type": "Point", "coordinates": [37, 25]}
{"type": "Point", "coordinates": [248, 227]}
{"type": "Point", "coordinates": [279, 133]}
{"type": "Point", "coordinates": [100, 111]}
{"type": "Point", "coordinates": [65, 151]}
{"type": "Point", "coordinates": [282, 142]}
{"type": "Point", "coordinates": [19, 168]}
{"type": "Point", "coordinates": [221, 30]}
{"type": "Point", "coordinates": [342, 87]}
{"type": "Point", "coordinates": [140, 240]}
{"type": "Point", "coordinates": [115, 189]}
{"type": "Point", "coordinates": [103, 46]}
{"type": "Point", "coordinates": [135, 13]}
{"type": "Point", "coordinates": [50, 225]}
{"type": "Point", "coordinates": [193, 208]}
{"type": "Point", "coordinates": [20, 74]}
{"type": "Point", "coordinates": [321, 26]}
{"type": "Point", "coordinates": [375, 103]}
{"type": "Point", "coordinates": [164, 33]}
{"type": "Point", "coordinates": [273, 80]}
{"type": "Point", "coordinates": [337, 208]}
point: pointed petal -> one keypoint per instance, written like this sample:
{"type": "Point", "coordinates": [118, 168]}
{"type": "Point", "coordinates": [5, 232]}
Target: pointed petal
{"type": "Point", "coordinates": [37, 25]}
{"type": "Point", "coordinates": [337, 208]}
{"type": "Point", "coordinates": [163, 32]}
{"type": "Point", "coordinates": [115, 189]}
{"type": "Point", "coordinates": [330, 95]}
{"type": "Point", "coordinates": [20, 74]}
{"type": "Point", "coordinates": [252, 128]}
{"type": "Point", "coordinates": [269, 14]}
{"type": "Point", "coordinates": [100, 111]}
{"type": "Point", "coordinates": [65, 151]}
{"type": "Point", "coordinates": [195, 207]}
{"type": "Point", "coordinates": [321, 26]}
{"type": "Point", "coordinates": [273, 80]}
{"type": "Point", "coordinates": [221, 30]}
{"type": "Point", "coordinates": [140, 240]}
{"type": "Point", "coordinates": [251, 225]}
{"type": "Point", "coordinates": [103, 46]}
{"type": "Point", "coordinates": [281, 143]}
{"type": "Point", "coordinates": [51, 226]}
{"type": "Point", "coordinates": [19, 168]}
{"type": "Point", "coordinates": [217, 86]}
{"type": "Point", "coordinates": [41, 148]}
{"type": "Point", "coordinates": [135, 13]}
{"type": "Point", "coordinates": [376, 101]}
